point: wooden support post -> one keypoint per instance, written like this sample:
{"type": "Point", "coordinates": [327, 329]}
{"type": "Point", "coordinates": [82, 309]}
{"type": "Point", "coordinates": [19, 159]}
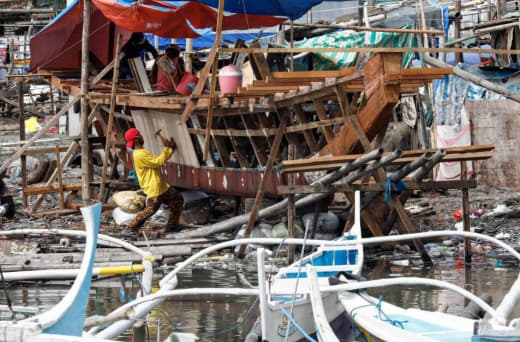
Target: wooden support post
{"type": "Point", "coordinates": [292, 45]}
{"type": "Point", "coordinates": [188, 57]}
{"type": "Point", "coordinates": [209, 119]}
{"type": "Point", "coordinates": [23, 160]}
{"type": "Point", "coordinates": [322, 114]}
{"type": "Point", "coordinates": [86, 171]}
{"type": "Point", "coordinates": [60, 177]}
{"type": "Point", "coordinates": [263, 182]}
{"type": "Point", "coordinates": [291, 207]}
{"type": "Point", "coordinates": [380, 174]}
{"type": "Point", "coordinates": [465, 211]}
{"type": "Point", "coordinates": [213, 56]}
{"type": "Point", "coordinates": [458, 55]}
{"type": "Point", "coordinates": [108, 138]}
{"type": "Point", "coordinates": [309, 138]}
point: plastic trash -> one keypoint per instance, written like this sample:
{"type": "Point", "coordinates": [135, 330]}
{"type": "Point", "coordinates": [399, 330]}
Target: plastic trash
{"type": "Point", "coordinates": [457, 215]}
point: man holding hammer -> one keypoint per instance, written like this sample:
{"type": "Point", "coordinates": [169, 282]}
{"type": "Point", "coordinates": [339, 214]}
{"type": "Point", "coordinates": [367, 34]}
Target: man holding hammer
{"type": "Point", "coordinates": [148, 169]}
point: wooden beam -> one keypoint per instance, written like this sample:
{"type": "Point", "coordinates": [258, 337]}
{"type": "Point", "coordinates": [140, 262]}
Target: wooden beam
{"type": "Point", "coordinates": [86, 171]}
{"type": "Point", "coordinates": [21, 122]}
{"type": "Point", "coordinates": [108, 138]}
{"type": "Point", "coordinates": [213, 56]}
{"type": "Point", "coordinates": [375, 187]}
{"type": "Point", "coordinates": [465, 212]}
{"type": "Point", "coordinates": [29, 191]}
{"type": "Point", "coordinates": [263, 182]}
{"type": "Point", "coordinates": [291, 207]}
{"type": "Point", "coordinates": [322, 114]}
{"type": "Point", "coordinates": [309, 138]}
{"type": "Point", "coordinates": [371, 50]}
{"type": "Point", "coordinates": [209, 118]}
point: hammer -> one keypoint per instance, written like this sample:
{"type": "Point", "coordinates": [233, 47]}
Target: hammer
{"type": "Point", "coordinates": [159, 134]}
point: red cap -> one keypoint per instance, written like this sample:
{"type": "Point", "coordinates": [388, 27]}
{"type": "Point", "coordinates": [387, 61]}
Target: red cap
{"type": "Point", "coordinates": [129, 136]}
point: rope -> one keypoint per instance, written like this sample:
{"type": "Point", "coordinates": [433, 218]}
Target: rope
{"type": "Point", "coordinates": [399, 186]}
{"type": "Point", "coordinates": [380, 313]}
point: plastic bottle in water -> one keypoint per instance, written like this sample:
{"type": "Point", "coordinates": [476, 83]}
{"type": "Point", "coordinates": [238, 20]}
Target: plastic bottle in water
{"type": "Point", "coordinates": [3, 209]}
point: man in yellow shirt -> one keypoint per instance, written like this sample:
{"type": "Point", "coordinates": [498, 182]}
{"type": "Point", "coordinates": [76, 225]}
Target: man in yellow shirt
{"type": "Point", "coordinates": [148, 169]}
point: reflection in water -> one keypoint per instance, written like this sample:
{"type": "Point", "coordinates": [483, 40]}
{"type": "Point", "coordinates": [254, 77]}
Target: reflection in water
{"type": "Point", "coordinates": [209, 315]}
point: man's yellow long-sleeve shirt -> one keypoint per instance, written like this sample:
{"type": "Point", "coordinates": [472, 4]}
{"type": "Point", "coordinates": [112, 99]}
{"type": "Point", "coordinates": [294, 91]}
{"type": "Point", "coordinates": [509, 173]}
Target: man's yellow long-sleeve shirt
{"type": "Point", "coordinates": [148, 170]}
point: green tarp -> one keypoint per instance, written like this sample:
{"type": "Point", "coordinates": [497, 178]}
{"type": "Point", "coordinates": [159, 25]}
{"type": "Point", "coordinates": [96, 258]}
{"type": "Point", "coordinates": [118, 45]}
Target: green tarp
{"type": "Point", "coordinates": [350, 39]}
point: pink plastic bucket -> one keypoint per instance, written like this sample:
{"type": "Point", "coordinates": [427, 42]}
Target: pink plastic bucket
{"type": "Point", "coordinates": [229, 79]}
{"type": "Point", "coordinates": [187, 84]}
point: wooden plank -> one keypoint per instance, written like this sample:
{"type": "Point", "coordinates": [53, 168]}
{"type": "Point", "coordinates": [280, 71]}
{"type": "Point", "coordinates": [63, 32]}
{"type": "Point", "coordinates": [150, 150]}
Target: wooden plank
{"type": "Point", "coordinates": [313, 94]}
{"type": "Point", "coordinates": [313, 74]}
{"type": "Point", "coordinates": [375, 187]}
{"type": "Point", "coordinates": [29, 191]}
{"type": "Point", "coordinates": [260, 62]}
{"type": "Point", "coordinates": [259, 153]}
{"type": "Point", "coordinates": [242, 161]}
{"type": "Point", "coordinates": [140, 75]}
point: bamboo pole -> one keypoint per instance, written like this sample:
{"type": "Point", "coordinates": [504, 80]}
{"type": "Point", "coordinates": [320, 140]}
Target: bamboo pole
{"type": "Point", "coordinates": [371, 29]}
{"type": "Point", "coordinates": [263, 182]}
{"type": "Point", "coordinates": [292, 44]}
{"type": "Point", "coordinates": [21, 120]}
{"type": "Point", "coordinates": [291, 208]}
{"type": "Point", "coordinates": [86, 174]}
{"type": "Point", "coordinates": [465, 211]}
{"type": "Point", "coordinates": [209, 119]}
{"type": "Point", "coordinates": [108, 140]}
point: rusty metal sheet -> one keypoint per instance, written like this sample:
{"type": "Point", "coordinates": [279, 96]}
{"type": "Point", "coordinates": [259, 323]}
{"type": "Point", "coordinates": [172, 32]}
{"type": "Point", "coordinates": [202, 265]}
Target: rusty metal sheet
{"type": "Point", "coordinates": [224, 181]}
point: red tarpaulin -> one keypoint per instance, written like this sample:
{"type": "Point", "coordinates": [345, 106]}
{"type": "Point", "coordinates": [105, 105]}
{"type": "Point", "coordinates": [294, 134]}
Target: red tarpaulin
{"type": "Point", "coordinates": [58, 46]}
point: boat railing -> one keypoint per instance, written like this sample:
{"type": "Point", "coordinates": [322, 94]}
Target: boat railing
{"type": "Point", "coordinates": [167, 291]}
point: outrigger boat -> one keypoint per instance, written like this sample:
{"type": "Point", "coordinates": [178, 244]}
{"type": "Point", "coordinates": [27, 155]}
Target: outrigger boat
{"type": "Point", "coordinates": [301, 301]}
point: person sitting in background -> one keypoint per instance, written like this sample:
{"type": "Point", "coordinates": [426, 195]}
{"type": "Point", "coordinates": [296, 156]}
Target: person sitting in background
{"type": "Point", "coordinates": [168, 69]}
{"type": "Point", "coordinates": [136, 46]}
{"type": "Point", "coordinates": [158, 191]}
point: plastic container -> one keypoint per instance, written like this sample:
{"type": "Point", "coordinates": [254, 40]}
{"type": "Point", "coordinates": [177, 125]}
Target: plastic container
{"type": "Point", "coordinates": [187, 84]}
{"type": "Point", "coordinates": [229, 79]}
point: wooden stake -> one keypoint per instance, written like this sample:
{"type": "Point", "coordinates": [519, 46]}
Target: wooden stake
{"type": "Point", "coordinates": [60, 177]}
{"type": "Point", "coordinates": [23, 161]}
{"type": "Point", "coordinates": [263, 182]}
{"type": "Point", "coordinates": [291, 207]}
{"type": "Point", "coordinates": [86, 174]}
{"type": "Point", "coordinates": [108, 133]}
{"type": "Point", "coordinates": [465, 211]}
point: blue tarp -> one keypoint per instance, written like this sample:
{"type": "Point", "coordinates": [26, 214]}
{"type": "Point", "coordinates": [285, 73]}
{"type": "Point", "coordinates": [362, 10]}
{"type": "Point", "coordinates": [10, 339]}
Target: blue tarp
{"type": "Point", "coordinates": [207, 38]}
{"type": "Point", "coordinates": [285, 8]}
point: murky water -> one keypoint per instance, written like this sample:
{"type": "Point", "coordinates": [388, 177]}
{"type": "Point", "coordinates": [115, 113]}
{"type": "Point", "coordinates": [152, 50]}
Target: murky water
{"type": "Point", "coordinates": [221, 318]}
